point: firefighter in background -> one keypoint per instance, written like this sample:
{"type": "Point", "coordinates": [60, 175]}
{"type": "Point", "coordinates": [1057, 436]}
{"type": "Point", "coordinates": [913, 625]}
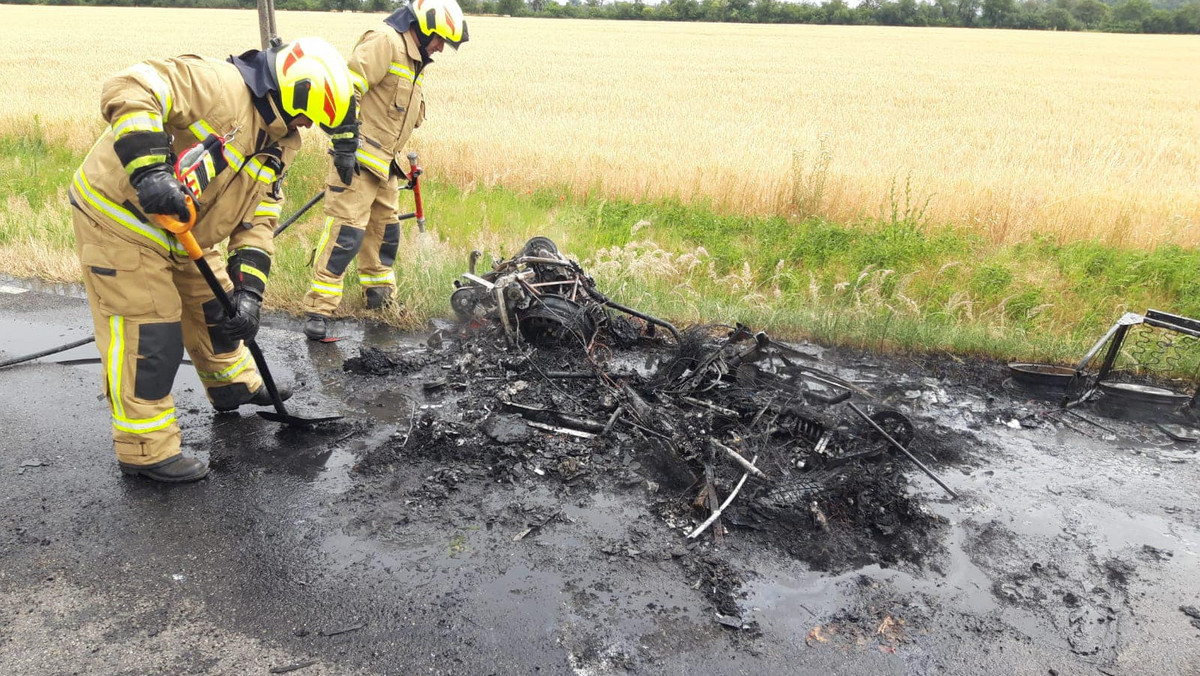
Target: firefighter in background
{"type": "Point", "coordinates": [148, 299]}
{"type": "Point", "coordinates": [361, 217]}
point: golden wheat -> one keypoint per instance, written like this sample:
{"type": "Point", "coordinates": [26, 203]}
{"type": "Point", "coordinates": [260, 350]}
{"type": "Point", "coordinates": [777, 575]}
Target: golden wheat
{"type": "Point", "coordinates": [1009, 133]}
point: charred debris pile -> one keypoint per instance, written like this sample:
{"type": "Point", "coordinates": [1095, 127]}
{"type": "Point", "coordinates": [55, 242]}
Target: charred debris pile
{"type": "Point", "coordinates": [721, 428]}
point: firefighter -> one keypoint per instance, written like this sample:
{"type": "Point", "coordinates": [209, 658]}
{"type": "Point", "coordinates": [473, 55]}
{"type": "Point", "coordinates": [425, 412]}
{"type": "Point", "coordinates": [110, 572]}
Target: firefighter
{"type": "Point", "coordinates": [361, 217]}
{"type": "Point", "coordinates": [148, 299]}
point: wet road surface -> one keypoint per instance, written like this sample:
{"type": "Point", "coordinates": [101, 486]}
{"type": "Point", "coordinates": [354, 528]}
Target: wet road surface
{"type": "Point", "coordinates": [1071, 551]}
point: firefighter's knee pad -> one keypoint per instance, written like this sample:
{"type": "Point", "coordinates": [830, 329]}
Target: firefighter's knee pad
{"type": "Point", "coordinates": [349, 241]}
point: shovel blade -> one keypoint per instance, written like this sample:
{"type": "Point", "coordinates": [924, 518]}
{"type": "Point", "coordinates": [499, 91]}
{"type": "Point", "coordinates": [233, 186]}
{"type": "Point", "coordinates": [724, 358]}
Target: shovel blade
{"type": "Point", "coordinates": [274, 416]}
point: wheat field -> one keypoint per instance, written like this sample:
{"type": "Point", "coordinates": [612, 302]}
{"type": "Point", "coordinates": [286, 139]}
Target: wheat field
{"type": "Point", "coordinates": [1008, 133]}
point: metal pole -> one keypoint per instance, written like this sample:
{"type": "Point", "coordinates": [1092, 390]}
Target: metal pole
{"type": "Point", "coordinates": [901, 448]}
{"type": "Point", "coordinates": [299, 212]}
{"type": "Point", "coordinates": [274, 37]}
{"type": "Point", "coordinates": [266, 22]}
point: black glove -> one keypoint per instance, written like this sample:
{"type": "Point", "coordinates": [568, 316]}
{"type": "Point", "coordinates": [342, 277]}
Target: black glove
{"type": "Point", "coordinates": [160, 192]}
{"type": "Point", "coordinates": [243, 325]}
{"type": "Point", "coordinates": [344, 141]}
{"type": "Point", "coordinates": [346, 165]}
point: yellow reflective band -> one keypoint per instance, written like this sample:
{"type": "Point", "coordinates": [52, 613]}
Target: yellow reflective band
{"type": "Point", "coordinates": [125, 217]}
{"type": "Point", "coordinates": [382, 166]}
{"type": "Point", "coordinates": [201, 129]}
{"type": "Point", "coordinates": [144, 161]}
{"type": "Point", "coordinates": [401, 70]}
{"type": "Point", "coordinates": [228, 374]}
{"type": "Point", "coordinates": [116, 363]}
{"type": "Point", "coordinates": [116, 359]}
{"type": "Point", "coordinates": [421, 79]}
{"type": "Point", "coordinates": [326, 289]}
{"type": "Point", "coordinates": [158, 85]}
{"type": "Point", "coordinates": [324, 235]}
{"type": "Point", "coordinates": [144, 425]}
{"type": "Point", "coordinates": [360, 82]}
{"type": "Point", "coordinates": [268, 209]}
{"type": "Point", "coordinates": [257, 170]}
{"type": "Point", "coordinates": [254, 272]}
{"type": "Point", "coordinates": [233, 156]}
{"type": "Point", "coordinates": [376, 280]}
{"type": "Point", "coordinates": [136, 122]}
{"type": "Point", "coordinates": [260, 171]}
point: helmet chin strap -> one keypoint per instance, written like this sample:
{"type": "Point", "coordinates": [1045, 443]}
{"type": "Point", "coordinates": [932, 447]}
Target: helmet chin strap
{"type": "Point", "coordinates": [423, 41]}
{"type": "Point", "coordinates": [277, 104]}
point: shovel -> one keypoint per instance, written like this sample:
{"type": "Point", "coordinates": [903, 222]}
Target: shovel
{"type": "Point", "coordinates": [183, 231]}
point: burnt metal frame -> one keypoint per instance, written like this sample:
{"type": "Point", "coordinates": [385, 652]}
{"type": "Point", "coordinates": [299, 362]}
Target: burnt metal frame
{"type": "Point", "coordinates": [1117, 334]}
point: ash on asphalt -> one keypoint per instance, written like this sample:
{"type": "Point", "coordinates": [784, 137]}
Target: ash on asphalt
{"type": "Point", "coordinates": [452, 536]}
{"type": "Point", "coordinates": [471, 426]}
{"type": "Point", "coordinates": [863, 523]}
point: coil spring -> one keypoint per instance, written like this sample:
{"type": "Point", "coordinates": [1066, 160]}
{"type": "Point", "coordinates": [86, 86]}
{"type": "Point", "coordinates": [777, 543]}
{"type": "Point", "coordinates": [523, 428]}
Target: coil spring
{"type": "Point", "coordinates": [1145, 353]}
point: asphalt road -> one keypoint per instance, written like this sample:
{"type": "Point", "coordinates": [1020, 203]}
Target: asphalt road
{"type": "Point", "coordinates": [1071, 551]}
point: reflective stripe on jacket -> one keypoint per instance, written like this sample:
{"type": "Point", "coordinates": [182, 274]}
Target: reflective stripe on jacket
{"type": "Point", "coordinates": [385, 67]}
{"type": "Point", "coordinates": [189, 97]}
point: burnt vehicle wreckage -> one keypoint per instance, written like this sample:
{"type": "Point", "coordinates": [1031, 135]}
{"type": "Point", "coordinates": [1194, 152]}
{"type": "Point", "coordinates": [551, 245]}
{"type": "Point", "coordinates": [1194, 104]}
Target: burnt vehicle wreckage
{"type": "Point", "coordinates": [721, 427]}
{"type": "Point", "coordinates": [755, 396]}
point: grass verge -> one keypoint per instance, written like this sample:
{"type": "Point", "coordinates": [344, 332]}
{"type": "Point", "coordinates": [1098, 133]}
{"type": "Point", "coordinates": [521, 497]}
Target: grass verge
{"type": "Point", "coordinates": [892, 282]}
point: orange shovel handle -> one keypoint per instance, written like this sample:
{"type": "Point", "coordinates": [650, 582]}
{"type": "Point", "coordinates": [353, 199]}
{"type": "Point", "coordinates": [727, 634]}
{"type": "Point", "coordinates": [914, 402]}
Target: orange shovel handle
{"type": "Point", "coordinates": [182, 229]}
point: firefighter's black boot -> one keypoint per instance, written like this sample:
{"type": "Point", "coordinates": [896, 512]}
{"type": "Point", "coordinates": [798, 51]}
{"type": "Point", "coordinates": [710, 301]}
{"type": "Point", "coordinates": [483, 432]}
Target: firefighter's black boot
{"type": "Point", "coordinates": [230, 397]}
{"type": "Point", "coordinates": [315, 325]}
{"type": "Point", "coordinates": [378, 297]}
{"type": "Point", "coordinates": [176, 469]}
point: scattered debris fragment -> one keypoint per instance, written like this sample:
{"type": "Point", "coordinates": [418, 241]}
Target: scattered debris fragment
{"type": "Point", "coordinates": [536, 527]}
{"type": "Point", "coordinates": [1192, 612]}
{"type": "Point", "coordinates": [297, 666]}
{"type": "Point", "coordinates": [343, 630]}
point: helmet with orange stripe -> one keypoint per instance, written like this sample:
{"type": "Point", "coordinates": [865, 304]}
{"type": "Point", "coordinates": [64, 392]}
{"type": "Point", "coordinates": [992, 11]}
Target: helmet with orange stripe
{"type": "Point", "coordinates": [314, 81]}
{"type": "Point", "coordinates": [442, 18]}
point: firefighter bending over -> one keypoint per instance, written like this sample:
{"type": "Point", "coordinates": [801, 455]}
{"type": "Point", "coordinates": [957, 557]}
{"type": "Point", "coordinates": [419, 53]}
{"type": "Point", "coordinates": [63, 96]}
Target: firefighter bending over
{"type": "Point", "coordinates": [361, 216]}
{"type": "Point", "coordinates": [148, 299]}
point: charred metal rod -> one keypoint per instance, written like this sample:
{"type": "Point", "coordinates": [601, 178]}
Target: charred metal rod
{"type": "Point", "coordinates": [717, 514]}
{"type": "Point", "coordinates": [1093, 422]}
{"type": "Point", "coordinates": [570, 374]}
{"type": "Point", "coordinates": [901, 448]}
{"type": "Point", "coordinates": [47, 352]}
{"type": "Point", "coordinates": [710, 406]}
{"type": "Point", "coordinates": [749, 467]}
{"type": "Point", "coordinates": [612, 420]}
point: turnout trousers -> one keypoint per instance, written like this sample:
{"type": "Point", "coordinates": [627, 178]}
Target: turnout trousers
{"type": "Point", "coordinates": [147, 307]}
{"type": "Point", "coordinates": [360, 222]}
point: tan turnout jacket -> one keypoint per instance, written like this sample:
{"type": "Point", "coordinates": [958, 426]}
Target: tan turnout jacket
{"type": "Point", "coordinates": [386, 69]}
{"type": "Point", "coordinates": [189, 97]}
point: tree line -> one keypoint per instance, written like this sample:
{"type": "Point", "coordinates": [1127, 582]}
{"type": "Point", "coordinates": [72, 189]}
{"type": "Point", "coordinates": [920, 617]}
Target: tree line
{"type": "Point", "coordinates": [1121, 16]}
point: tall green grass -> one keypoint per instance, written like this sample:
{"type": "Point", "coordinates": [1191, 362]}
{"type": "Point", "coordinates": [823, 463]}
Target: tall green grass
{"type": "Point", "coordinates": [890, 281]}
